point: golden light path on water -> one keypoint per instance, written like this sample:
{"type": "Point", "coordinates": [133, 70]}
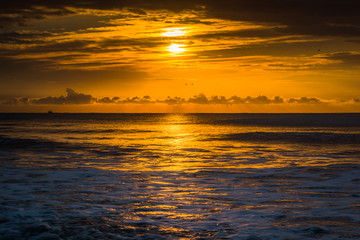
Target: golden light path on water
{"type": "Point", "coordinates": [177, 143]}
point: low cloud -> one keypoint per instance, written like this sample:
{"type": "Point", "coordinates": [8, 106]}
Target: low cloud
{"type": "Point", "coordinates": [199, 99]}
{"type": "Point", "coordinates": [202, 99]}
{"type": "Point", "coordinates": [173, 100]}
{"type": "Point", "coordinates": [107, 100]}
{"type": "Point", "coordinates": [73, 97]}
{"type": "Point", "coordinates": [145, 99]}
{"type": "Point", "coordinates": [304, 100]}
{"type": "Point", "coordinates": [14, 101]}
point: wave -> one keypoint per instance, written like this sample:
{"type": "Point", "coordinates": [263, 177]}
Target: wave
{"type": "Point", "coordinates": [92, 131]}
{"type": "Point", "coordinates": [293, 137]}
{"type": "Point", "coordinates": [278, 119]}
{"type": "Point", "coordinates": [9, 144]}
{"type": "Point", "coordinates": [34, 145]}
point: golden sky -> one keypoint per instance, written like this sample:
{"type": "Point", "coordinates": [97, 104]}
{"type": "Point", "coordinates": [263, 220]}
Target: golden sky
{"type": "Point", "coordinates": [183, 56]}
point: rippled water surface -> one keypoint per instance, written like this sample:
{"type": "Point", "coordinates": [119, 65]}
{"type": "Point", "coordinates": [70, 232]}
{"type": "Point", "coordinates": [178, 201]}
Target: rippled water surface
{"type": "Point", "coordinates": [179, 176]}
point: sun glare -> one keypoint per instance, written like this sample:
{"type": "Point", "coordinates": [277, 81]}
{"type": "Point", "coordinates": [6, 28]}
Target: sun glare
{"type": "Point", "coordinates": [173, 32]}
{"type": "Point", "coordinates": [176, 48]}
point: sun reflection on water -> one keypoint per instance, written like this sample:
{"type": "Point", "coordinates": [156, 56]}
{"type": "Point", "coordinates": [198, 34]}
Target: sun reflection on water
{"type": "Point", "coordinates": [176, 128]}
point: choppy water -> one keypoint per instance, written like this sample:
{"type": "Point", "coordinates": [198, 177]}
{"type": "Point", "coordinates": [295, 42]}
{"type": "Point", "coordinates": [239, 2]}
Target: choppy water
{"type": "Point", "coordinates": [179, 176]}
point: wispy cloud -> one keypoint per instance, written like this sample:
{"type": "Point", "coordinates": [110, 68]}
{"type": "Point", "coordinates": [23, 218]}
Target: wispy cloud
{"type": "Point", "coordinates": [114, 34]}
{"type": "Point", "coordinates": [337, 18]}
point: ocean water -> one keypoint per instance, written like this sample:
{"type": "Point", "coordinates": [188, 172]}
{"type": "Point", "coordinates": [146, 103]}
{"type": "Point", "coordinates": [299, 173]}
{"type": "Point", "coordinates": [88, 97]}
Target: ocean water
{"type": "Point", "coordinates": [179, 176]}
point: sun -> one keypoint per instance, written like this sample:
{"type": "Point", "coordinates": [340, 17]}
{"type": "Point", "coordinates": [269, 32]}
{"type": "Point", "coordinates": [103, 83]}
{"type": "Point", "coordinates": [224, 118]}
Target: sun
{"type": "Point", "coordinates": [176, 48]}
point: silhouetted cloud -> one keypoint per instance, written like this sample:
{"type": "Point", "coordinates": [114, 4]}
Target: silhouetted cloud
{"type": "Point", "coordinates": [173, 100]}
{"type": "Point", "coordinates": [11, 101]}
{"type": "Point", "coordinates": [199, 99]}
{"type": "Point", "coordinates": [107, 100]}
{"type": "Point", "coordinates": [218, 100]}
{"type": "Point", "coordinates": [304, 100]}
{"type": "Point", "coordinates": [258, 100]}
{"type": "Point", "coordinates": [236, 100]}
{"type": "Point", "coordinates": [145, 99]}
{"type": "Point", "coordinates": [72, 97]}
{"type": "Point", "coordinates": [24, 100]}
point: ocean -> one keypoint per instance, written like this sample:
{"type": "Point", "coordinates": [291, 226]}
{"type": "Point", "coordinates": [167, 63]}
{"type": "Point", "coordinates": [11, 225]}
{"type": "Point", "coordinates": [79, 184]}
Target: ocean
{"type": "Point", "coordinates": [179, 176]}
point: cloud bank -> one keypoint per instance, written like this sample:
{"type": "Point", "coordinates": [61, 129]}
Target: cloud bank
{"type": "Point", "coordinates": [74, 98]}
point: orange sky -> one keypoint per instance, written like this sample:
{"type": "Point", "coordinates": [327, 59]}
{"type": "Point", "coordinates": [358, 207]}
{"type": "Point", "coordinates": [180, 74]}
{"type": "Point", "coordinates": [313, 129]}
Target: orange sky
{"type": "Point", "coordinates": [291, 49]}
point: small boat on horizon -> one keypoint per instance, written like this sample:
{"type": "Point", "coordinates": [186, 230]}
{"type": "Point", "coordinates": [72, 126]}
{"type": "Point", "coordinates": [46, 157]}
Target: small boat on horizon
{"type": "Point", "coordinates": [50, 112]}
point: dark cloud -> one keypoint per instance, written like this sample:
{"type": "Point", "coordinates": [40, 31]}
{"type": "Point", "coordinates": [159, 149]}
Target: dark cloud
{"type": "Point", "coordinates": [138, 44]}
{"type": "Point", "coordinates": [24, 100]}
{"type": "Point", "coordinates": [72, 97]}
{"type": "Point", "coordinates": [264, 100]}
{"type": "Point", "coordinates": [137, 11]}
{"type": "Point", "coordinates": [173, 100]}
{"type": "Point", "coordinates": [22, 11]}
{"type": "Point", "coordinates": [73, 46]}
{"type": "Point", "coordinates": [11, 101]}
{"type": "Point", "coordinates": [203, 99]}
{"type": "Point", "coordinates": [118, 100]}
{"type": "Point", "coordinates": [107, 100]}
{"type": "Point", "coordinates": [236, 100]}
{"type": "Point", "coordinates": [219, 100]}
{"type": "Point", "coordinates": [191, 20]}
{"type": "Point", "coordinates": [247, 33]}
{"type": "Point", "coordinates": [199, 99]}
{"type": "Point", "coordinates": [145, 99]}
{"type": "Point", "coordinates": [311, 100]}
{"type": "Point", "coordinates": [71, 49]}
{"type": "Point", "coordinates": [347, 58]}
{"type": "Point", "coordinates": [320, 17]}
{"type": "Point", "coordinates": [23, 37]}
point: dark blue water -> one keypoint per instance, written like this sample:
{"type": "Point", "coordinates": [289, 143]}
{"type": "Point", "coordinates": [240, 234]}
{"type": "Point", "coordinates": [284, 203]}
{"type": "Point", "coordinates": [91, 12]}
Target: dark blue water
{"type": "Point", "coordinates": [179, 176]}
